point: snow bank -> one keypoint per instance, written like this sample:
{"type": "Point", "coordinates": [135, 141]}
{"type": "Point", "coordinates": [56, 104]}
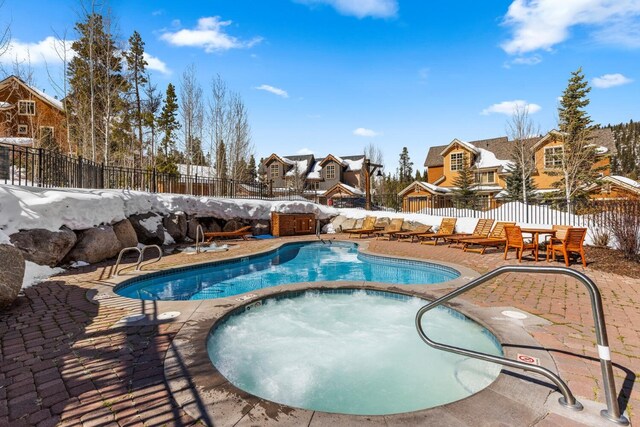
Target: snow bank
{"type": "Point", "coordinates": [23, 208]}
{"type": "Point", "coordinates": [34, 273]}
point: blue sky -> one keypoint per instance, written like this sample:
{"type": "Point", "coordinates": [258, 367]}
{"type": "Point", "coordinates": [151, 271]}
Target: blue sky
{"type": "Point", "coordinates": [331, 76]}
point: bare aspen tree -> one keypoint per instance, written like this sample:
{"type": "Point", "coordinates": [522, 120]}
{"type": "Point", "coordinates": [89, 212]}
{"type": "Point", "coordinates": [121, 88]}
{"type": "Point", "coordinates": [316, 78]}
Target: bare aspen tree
{"type": "Point", "coordinates": [60, 84]}
{"type": "Point", "coordinates": [373, 153]}
{"type": "Point", "coordinates": [192, 114]}
{"type": "Point", "coordinates": [239, 142]}
{"type": "Point", "coordinates": [5, 39]}
{"type": "Point", "coordinates": [151, 109]}
{"type": "Point", "coordinates": [218, 125]}
{"type": "Point", "coordinates": [520, 130]}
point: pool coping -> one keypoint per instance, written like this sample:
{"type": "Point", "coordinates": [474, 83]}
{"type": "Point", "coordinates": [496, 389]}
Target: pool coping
{"type": "Point", "coordinates": [207, 396]}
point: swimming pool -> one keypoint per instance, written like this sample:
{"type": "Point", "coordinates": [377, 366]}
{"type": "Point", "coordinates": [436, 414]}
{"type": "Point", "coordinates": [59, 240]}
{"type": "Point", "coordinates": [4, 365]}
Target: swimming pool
{"type": "Point", "coordinates": [350, 352]}
{"type": "Point", "coordinates": [291, 263]}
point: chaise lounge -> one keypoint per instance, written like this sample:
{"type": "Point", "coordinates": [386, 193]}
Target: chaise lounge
{"type": "Point", "coordinates": [241, 233]}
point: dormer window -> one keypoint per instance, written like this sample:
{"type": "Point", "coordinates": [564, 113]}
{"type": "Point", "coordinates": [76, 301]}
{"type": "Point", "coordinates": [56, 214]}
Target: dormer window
{"type": "Point", "coordinates": [485, 177]}
{"type": "Point", "coordinates": [457, 161]}
{"type": "Point", "coordinates": [330, 172]}
{"type": "Point", "coordinates": [26, 108]}
{"type": "Point", "coordinates": [274, 170]}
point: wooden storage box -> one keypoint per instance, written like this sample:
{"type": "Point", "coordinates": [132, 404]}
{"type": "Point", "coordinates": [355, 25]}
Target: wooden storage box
{"type": "Point", "coordinates": [292, 224]}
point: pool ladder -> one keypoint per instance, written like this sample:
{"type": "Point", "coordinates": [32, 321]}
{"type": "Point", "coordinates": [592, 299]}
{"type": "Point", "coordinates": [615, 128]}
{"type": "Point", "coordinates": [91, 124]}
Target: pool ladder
{"type": "Point", "coordinates": [612, 413]}
{"type": "Point", "coordinates": [138, 265]}
{"type": "Point", "coordinates": [318, 229]}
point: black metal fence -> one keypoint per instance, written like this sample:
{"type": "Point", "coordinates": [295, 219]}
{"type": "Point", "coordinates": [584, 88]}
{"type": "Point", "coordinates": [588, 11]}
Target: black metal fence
{"type": "Point", "coordinates": [39, 167]}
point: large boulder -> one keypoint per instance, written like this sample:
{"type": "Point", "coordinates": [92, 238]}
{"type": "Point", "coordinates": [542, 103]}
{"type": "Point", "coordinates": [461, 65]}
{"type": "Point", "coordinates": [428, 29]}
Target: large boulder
{"type": "Point", "coordinates": [125, 234]}
{"type": "Point", "coordinates": [208, 225]}
{"type": "Point", "coordinates": [337, 222]}
{"type": "Point", "coordinates": [148, 228]}
{"type": "Point", "coordinates": [44, 247]}
{"type": "Point", "coordinates": [260, 227]}
{"type": "Point", "coordinates": [233, 225]}
{"type": "Point", "coordinates": [382, 222]}
{"type": "Point", "coordinates": [347, 224]}
{"type": "Point", "coordinates": [95, 245]}
{"type": "Point", "coordinates": [12, 267]}
{"type": "Point", "coordinates": [176, 226]}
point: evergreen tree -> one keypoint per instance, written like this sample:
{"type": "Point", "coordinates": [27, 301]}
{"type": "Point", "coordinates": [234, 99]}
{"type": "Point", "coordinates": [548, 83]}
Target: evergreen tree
{"type": "Point", "coordinates": [168, 124]}
{"type": "Point", "coordinates": [578, 154]}
{"type": "Point", "coordinates": [627, 140]}
{"type": "Point", "coordinates": [221, 161]}
{"type": "Point", "coordinates": [418, 176]}
{"type": "Point", "coordinates": [405, 167]}
{"type": "Point", "coordinates": [252, 171]}
{"type": "Point", "coordinates": [194, 154]}
{"type": "Point", "coordinates": [515, 185]}
{"type": "Point", "coordinates": [152, 106]}
{"type": "Point", "coordinates": [464, 195]}
{"type": "Point", "coordinates": [136, 67]}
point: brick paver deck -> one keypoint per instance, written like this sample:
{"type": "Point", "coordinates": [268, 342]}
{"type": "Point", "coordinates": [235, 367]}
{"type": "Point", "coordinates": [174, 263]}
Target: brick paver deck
{"type": "Point", "coordinates": [64, 361]}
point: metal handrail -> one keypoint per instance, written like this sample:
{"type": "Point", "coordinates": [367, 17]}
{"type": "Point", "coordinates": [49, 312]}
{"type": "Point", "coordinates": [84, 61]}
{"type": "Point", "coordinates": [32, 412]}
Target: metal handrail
{"type": "Point", "coordinates": [199, 231]}
{"type": "Point", "coordinates": [139, 265]}
{"type": "Point", "coordinates": [612, 413]}
{"type": "Point", "coordinates": [318, 229]}
{"type": "Point", "coordinates": [122, 252]}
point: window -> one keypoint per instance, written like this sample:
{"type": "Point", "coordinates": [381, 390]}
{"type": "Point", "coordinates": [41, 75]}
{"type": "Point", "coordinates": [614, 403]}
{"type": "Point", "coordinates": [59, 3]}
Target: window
{"type": "Point", "coordinates": [457, 161]}
{"type": "Point", "coordinates": [330, 172]}
{"type": "Point", "coordinates": [553, 157]}
{"type": "Point", "coordinates": [27, 108]}
{"type": "Point", "coordinates": [485, 177]}
{"type": "Point", "coordinates": [275, 170]}
{"type": "Point", "coordinates": [7, 117]}
{"type": "Point", "coordinates": [46, 135]}
{"type": "Point", "coordinates": [23, 129]}
{"type": "Point", "coordinates": [314, 185]}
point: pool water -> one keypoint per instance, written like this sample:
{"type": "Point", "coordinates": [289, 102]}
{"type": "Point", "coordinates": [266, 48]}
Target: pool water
{"type": "Point", "coordinates": [356, 353]}
{"type": "Point", "coordinates": [292, 263]}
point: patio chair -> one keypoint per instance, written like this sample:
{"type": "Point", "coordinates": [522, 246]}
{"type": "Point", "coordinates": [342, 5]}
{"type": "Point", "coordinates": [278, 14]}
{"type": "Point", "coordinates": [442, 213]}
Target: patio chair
{"type": "Point", "coordinates": [573, 242]}
{"type": "Point", "coordinates": [482, 230]}
{"type": "Point", "coordinates": [395, 226]}
{"type": "Point", "coordinates": [496, 238]}
{"type": "Point", "coordinates": [447, 228]}
{"type": "Point", "coordinates": [241, 233]}
{"type": "Point", "coordinates": [402, 235]}
{"type": "Point", "coordinates": [515, 240]}
{"type": "Point", "coordinates": [368, 228]}
{"type": "Point", "coordinates": [561, 232]}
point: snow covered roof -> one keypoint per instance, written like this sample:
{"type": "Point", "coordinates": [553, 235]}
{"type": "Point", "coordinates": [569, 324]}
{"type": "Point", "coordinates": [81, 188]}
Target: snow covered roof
{"type": "Point", "coordinates": [625, 180]}
{"type": "Point", "coordinates": [354, 165]}
{"type": "Point", "coordinates": [342, 186]}
{"type": "Point", "coordinates": [203, 171]}
{"type": "Point", "coordinates": [37, 92]}
{"type": "Point", "coordinates": [4, 104]}
{"type": "Point", "coordinates": [487, 159]}
{"type": "Point", "coordinates": [431, 188]}
{"type": "Point", "coordinates": [16, 141]}
{"type": "Point", "coordinates": [487, 188]}
{"type": "Point", "coordinates": [455, 141]}
{"type": "Point", "coordinates": [299, 167]}
{"type": "Point", "coordinates": [315, 172]}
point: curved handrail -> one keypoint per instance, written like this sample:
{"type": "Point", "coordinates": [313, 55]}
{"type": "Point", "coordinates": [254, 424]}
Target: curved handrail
{"type": "Point", "coordinates": [612, 412]}
{"type": "Point", "coordinates": [122, 252]}
{"type": "Point", "coordinates": [199, 231]}
{"type": "Point", "coordinates": [139, 265]}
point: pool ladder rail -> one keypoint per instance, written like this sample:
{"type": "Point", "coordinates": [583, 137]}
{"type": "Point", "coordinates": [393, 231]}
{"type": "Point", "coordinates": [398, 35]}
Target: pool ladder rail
{"type": "Point", "coordinates": [139, 264]}
{"type": "Point", "coordinates": [612, 413]}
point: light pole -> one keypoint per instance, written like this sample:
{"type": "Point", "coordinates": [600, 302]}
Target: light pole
{"type": "Point", "coordinates": [369, 169]}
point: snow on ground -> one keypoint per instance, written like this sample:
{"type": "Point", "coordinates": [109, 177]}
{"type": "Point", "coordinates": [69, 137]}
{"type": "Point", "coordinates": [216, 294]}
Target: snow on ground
{"type": "Point", "coordinates": [34, 273]}
{"type": "Point", "coordinates": [23, 208]}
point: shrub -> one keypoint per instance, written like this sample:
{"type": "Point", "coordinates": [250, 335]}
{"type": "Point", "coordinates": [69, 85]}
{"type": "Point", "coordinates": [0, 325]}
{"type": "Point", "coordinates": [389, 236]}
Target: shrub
{"type": "Point", "coordinates": [623, 220]}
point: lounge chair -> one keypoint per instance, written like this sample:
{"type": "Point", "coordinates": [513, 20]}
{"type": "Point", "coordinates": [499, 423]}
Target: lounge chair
{"type": "Point", "coordinates": [496, 238]}
{"type": "Point", "coordinates": [572, 242]}
{"type": "Point", "coordinates": [395, 226]}
{"type": "Point", "coordinates": [368, 228]}
{"type": "Point", "coordinates": [515, 240]}
{"type": "Point", "coordinates": [424, 229]}
{"type": "Point", "coordinates": [241, 233]}
{"type": "Point", "coordinates": [447, 228]}
{"type": "Point", "coordinates": [482, 230]}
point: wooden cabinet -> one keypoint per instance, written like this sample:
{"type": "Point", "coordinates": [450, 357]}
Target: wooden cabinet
{"type": "Point", "coordinates": [292, 224]}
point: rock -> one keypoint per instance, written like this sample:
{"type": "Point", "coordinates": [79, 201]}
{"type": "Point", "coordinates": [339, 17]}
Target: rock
{"type": "Point", "coordinates": [382, 222]}
{"type": "Point", "coordinates": [347, 224]}
{"type": "Point", "coordinates": [44, 247]}
{"type": "Point", "coordinates": [260, 227]}
{"type": "Point", "coordinates": [148, 228]}
{"type": "Point", "coordinates": [412, 225]}
{"type": "Point", "coordinates": [95, 245]}
{"type": "Point", "coordinates": [208, 225]}
{"type": "Point", "coordinates": [176, 226]}
{"type": "Point", "coordinates": [125, 234]}
{"type": "Point", "coordinates": [233, 225]}
{"type": "Point", "coordinates": [337, 221]}
{"type": "Point", "coordinates": [12, 267]}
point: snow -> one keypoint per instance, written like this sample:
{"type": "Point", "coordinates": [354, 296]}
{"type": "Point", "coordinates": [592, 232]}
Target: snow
{"type": "Point", "coordinates": [4, 104]}
{"type": "Point", "coordinates": [151, 223]}
{"type": "Point", "coordinates": [23, 208]}
{"type": "Point", "coordinates": [168, 240]}
{"type": "Point", "coordinates": [201, 171]}
{"type": "Point", "coordinates": [56, 102]}
{"type": "Point", "coordinates": [78, 264]}
{"type": "Point", "coordinates": [299, 167]}
{"type": "Point", "coordinates": [488, 160]}
{"type": "Point", "coordinates": [353, 190]}
{"type": "Point", "coordinates": [468, 146]}
{"type": "Point", "coordinates": [602, 149]}
{"type": "Point", "coordinates": [4, 239]}
{"type": "Point", "coordinates": [354, 165]}
{"type": "Point", "coordinates": [315, 173]}
{"type": "Point", "coordinates": [34, 273]}
{"type": "Point", "coordinates": [16, 141]}
{"type": "Point", "coordinates": [435, 187]}
{"type": "Point", "coordinates": [626, 180]}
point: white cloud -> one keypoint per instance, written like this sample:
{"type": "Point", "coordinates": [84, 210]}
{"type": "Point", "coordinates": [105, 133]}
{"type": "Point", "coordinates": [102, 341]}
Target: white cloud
{"type": "Point", "coordinates": [305, 151]}
{"type": "Point", "coordinates": [610, 80]}
{"type": "Point", "coordinates": [274, 90]}
{"type": "Point", "coordinates": [365, 132]}
{"type": "Point", "coordinates": [209, 34]}
{"type": "Point", "coordinates": [360, 8]}
{"type": "Point", "coordinates": [509, 107]}
{"type": "Point", "coordinates": [156, 64]}
{"type": "Point", "coordinates": [527, 60]}
{"type": "Point", "coordinates": [37, 53]}
{"type": "Point", "coordinates": [541, 24]}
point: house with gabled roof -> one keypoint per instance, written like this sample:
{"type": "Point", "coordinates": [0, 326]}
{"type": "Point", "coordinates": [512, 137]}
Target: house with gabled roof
{"type": "Point", "coordinates": [490, 160]}
{"type": "Point", "coordinates": [30, 117]}
{"type": "Point", "coordinates": [322, 178]}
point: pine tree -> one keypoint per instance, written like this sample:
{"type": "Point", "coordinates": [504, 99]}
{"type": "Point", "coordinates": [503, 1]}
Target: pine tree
{"type": "Point", "coordinates": [627, 141]}
{"type": "Point", "coordinates": [405, 167]}
{"type": "Point", "coordinates": [136, 67]}
{"type": "Point", "coordinates": [252, 171]}
{"type": "Point", "coordinates": [168, 124]}
{"type": "Point", "coordinates": [578, 154]}
{"type": "Point", "coordinates": [464, 195]}
{"type": "Point", "coordinates": [418, 176]}
{"type": "Point", "coordinates": [515, 185]}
